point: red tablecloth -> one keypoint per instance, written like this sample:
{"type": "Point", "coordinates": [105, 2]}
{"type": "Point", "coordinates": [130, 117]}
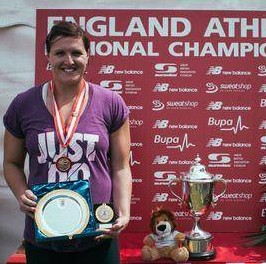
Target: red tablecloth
{"type": "Point", "coordinates": [229, 249]}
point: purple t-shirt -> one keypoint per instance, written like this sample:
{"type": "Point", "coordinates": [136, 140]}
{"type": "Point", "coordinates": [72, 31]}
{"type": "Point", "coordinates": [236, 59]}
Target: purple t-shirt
{"type": "Point", "coordinates": [28, 118]}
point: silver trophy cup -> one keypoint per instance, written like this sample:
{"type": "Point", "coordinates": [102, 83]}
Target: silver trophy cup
{"type": "Point", "coordinates": [197, 196]}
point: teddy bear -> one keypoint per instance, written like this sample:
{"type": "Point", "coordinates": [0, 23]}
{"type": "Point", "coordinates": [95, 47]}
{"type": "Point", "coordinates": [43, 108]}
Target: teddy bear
{"type": "Point", "coordinates": [164, 241]}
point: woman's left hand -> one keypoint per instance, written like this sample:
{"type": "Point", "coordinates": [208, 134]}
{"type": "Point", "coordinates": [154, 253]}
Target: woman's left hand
{"type": "Point", "coordinates": [119, 225]}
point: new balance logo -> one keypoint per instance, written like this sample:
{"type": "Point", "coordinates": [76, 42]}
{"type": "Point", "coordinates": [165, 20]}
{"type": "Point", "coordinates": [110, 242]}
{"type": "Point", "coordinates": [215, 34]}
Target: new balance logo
{"type": "Point", "coordinates": [160, 197]}
{"type": "Point", "coordinates": [215, 142]}
{"type": "Point", "coordinates": [161, 87]}
{"type": "Point", "coordinates": [161, 124]}
{"type": "Point", "coordinates": [215, 70]}
{"type": "Point", "coordinates": [263, 198]}
{"type": "Point", "coordinates": [215, 105]}
{"type": "Point", "coordinates": [215, 216]}
{"type": "Point", "coordinates": [263, 88]}
{"type": "Point", "coordinates": [263, 125]}
{"type": "Point", "coordinates": [160, 160]}
{"type": "Point", "coordinates": [106, 69]}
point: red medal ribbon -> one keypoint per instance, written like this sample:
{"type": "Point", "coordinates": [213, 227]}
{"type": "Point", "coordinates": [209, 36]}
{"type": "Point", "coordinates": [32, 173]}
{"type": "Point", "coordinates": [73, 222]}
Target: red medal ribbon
{"type": "Point", "coordinates": [66, 132]}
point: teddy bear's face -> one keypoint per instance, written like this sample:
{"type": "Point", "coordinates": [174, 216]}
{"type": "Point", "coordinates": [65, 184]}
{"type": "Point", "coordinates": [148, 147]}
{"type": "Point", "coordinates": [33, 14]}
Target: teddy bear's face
{"type": "Point", "coordinates": [163, 226]}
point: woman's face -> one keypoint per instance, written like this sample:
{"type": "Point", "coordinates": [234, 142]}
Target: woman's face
{"type": "Point", "coordinates": [68, 59]}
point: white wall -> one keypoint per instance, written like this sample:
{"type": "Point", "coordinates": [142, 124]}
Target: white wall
{"type": "Point", "coordinates": [17, 63]}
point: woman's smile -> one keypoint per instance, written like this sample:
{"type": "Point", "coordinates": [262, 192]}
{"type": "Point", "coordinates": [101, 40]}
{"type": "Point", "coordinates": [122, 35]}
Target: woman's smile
{"type": "Point", "coordinates": [68, 59]}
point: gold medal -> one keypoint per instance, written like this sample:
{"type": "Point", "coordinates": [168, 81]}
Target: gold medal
{"type": "Point", "coordinates": [104, 213]}
{"type": "Point", "coordinates": [63, 164]}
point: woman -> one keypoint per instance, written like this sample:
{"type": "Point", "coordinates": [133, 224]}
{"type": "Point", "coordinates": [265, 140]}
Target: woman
{"type": "Point", "coordinates": [85, 125]}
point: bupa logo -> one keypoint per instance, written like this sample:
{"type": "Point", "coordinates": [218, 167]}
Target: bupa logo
{"type": "Point", "coordinates": [263, 102]}
{"type": "Point", "coordinates": [263, 212]}
{"type": "Point", "coordinates": [211, 88]}
{"type": "Point", "coordinates": [165, 68]}
{"type": "Point", "coordinates": [235, 126]}
{"type": "Point", "coordinates": [114, 85]}
{"type": "Point", "coordinates": [215, 216]}
{"type": "Point", "coordinates": [106, 69]}
{"type": "Point", "coordinates": [214, 70]}
{"type": "Point", "coordinates": [157, 105]}
{"type": "Point", "coordinates": [132, 160]}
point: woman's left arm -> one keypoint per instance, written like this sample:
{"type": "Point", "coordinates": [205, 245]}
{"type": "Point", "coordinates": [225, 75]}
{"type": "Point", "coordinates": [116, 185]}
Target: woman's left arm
{"type": "Point", "coordinates": [121, 176]}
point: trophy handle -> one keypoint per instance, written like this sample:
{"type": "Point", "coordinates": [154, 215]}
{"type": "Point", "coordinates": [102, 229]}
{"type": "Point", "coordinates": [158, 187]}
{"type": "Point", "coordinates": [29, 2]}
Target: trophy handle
{"type": "Point", "coordinates": [216, 197]}
{"type": "Point", "coordinates": [171, 190]}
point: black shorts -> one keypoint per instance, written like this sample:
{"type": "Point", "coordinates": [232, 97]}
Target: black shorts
{"type": "Point", "coordinates": [105, 253]}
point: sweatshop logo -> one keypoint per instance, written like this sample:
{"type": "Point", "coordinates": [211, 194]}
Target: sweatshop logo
{"type": "Point", "coordinates": [262, 178]}
{"type": "Point", "coordinates": [135, 123]}
{"type": "Point", "coordinates": [237, 197]}
{"type": "Point", "coordinates": [262, 70]}
{"type": "Point", "coordinates": [158, 105]}
{"type": "Point", "coordinates": [227, 87]}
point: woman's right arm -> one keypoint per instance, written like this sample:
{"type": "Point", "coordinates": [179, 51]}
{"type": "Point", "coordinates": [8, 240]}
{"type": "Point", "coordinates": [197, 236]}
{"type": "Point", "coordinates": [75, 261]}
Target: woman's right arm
{"type": "Point", "coordinates": [14, 159]}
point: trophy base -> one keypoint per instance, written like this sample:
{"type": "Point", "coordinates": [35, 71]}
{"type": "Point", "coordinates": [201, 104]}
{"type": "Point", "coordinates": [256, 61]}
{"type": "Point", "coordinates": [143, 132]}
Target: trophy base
{"type": "Point", "coordinates": [202, 255]}
{"type": "Point", "coordinates": [200, 248]}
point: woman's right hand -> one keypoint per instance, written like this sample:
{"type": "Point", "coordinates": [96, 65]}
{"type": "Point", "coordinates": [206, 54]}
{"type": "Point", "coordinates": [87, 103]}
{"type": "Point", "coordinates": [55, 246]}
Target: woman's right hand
{"type": "Point", "coordinates": [27, 203]}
